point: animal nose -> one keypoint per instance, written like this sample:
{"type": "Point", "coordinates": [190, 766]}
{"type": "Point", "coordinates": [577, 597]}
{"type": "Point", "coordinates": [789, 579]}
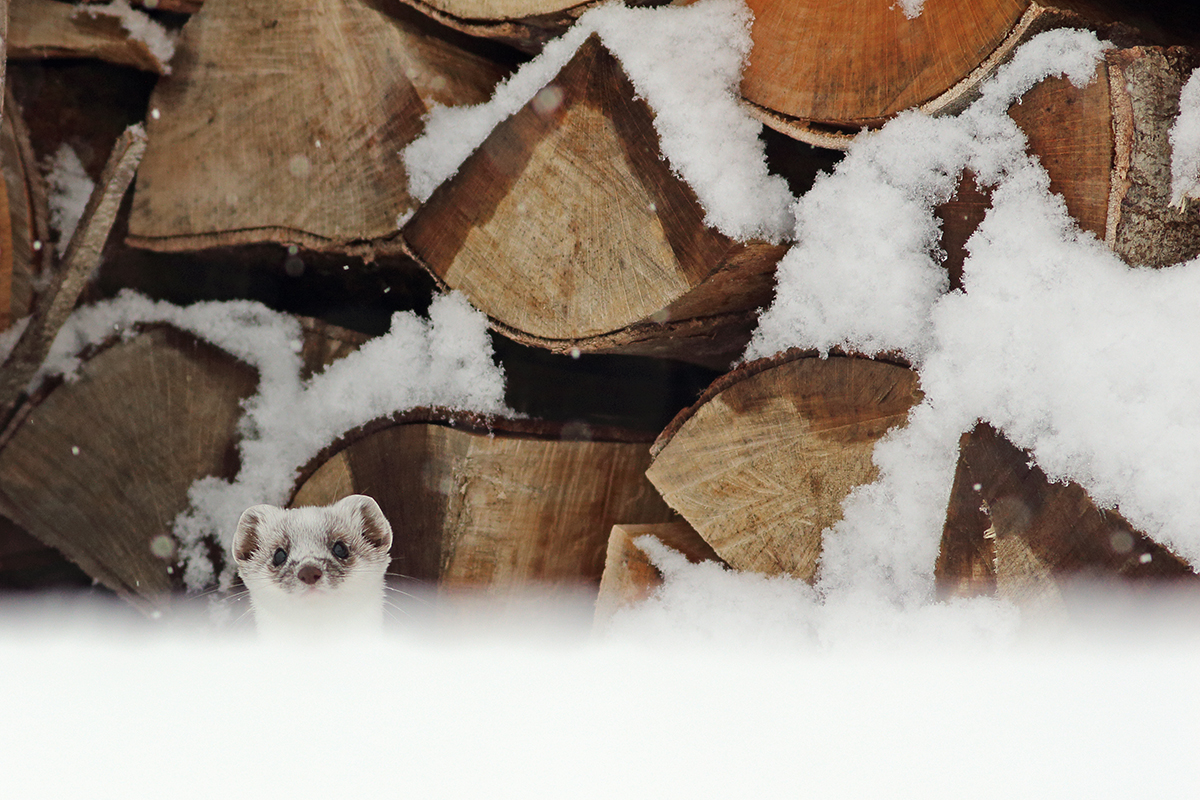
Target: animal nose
{"type": "Point", "coordinates": [309, 574]}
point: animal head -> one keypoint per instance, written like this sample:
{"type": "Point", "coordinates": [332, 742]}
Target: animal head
{"type": "Point", "coordinates": [312, 551]}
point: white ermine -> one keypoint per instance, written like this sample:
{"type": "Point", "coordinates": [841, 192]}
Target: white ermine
{"type": "Point", "coordinates": [314, 571]}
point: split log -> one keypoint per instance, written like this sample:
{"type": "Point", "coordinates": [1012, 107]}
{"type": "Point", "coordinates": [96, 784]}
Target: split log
{"type": "Point", "coordinates": [26, 252]}
{"type": "Point", "coordinates": [100, 466]}
{"type": "Point", "coordinates": [760, 465]}
{"type": "Point", "coordinates": [53, 29]}
{"type": "Point", "coordinates": [820, 71]}
{"type": "Point", "coordinates": [1011, 532]}
{"type": "Point", "coordinates": [1107, 150]}
{"type": "Point", "coordinates": [569, 230]}
{"type": "Point", "coordinates": [174, 6]}
{"type": "Point", "coordinates": [629, 577]}
{"type": "Point", "coordinates": [272, 129]}
{"type": "Point", "coordinates": [524, 24]}
{"type": "Point", "coordinates": [491, 504]}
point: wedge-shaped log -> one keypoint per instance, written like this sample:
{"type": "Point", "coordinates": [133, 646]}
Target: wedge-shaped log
{"type": "Point", "coordinates": [49, 29]}
{"type": "Point", "coordinates": [1011, 532]}
{"type": "Point", "coordinates": [567, 227]}
{"type": "Point", "coordinates": [283, 121]}
{"type": "Point", "coordinates": [761, 464]}
{"type": "Point", "coordinates": [491, 504]}
{"type": "Point", "coordinates": [1107, 150]}
{"type": "Point", "coordinates": [98, 467]}
{"type": "Point", "coordinates": [629, 576]}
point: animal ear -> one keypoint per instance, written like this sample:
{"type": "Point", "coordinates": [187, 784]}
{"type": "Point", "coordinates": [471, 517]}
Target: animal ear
{"type": "Point", "coordinates": [246, 538]}
{"type": "Point", "coordinates": [375, 527]}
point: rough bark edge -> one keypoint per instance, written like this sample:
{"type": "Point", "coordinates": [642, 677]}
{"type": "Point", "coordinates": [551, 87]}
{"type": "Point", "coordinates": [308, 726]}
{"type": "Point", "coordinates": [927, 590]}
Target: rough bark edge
{"type": "Point", "coordinates": [747, 370]}
{"type": "Point", "coordinates": [1142, 226]}
{"type": "Point", "coordinates": [472, 422]}
{"type": "Point", "coordinates": [676, 339]}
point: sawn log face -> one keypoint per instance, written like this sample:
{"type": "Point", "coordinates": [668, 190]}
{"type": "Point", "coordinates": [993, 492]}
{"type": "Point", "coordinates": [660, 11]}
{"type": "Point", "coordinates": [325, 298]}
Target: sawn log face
{"type": "Point", "coordinates": [761, 466]}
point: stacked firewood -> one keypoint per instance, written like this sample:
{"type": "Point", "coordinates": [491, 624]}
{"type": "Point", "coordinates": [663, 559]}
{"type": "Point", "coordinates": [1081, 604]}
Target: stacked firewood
{"type": "Point", "coordinates": [271, 168]}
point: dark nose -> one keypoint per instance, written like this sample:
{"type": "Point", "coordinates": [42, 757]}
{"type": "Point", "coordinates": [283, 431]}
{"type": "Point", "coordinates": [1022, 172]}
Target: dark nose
{"type": "Point", "coordinates": [309, 574]}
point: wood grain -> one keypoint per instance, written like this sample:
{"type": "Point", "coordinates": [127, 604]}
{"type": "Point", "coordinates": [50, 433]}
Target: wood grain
{"type": "Point", "coordinates": [283, 121]}
{"type": "Point", "coordinates": [1010, 531]}
{"type": "Point", "coordinates": [496, 511]}
{"type": "Point", "coordinates": [49, 29]}
{"type": "Point", "coordinates": [761, 464]}
{"type": "Point", "coordinates": [101, 465]}
{"type": "Point", "coordinates": [856, 62]}
{"type": "Point", "coordinates": [629, 577]}
{"type": "Point", "coordinates": [567, 227]}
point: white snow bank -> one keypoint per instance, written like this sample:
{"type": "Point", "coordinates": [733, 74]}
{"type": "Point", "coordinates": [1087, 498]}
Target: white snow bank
{"type": "Point", "coordinates": [1076, 357]}
{"type": "Point", "coordinates": [206, 716]}
{"type": "Point", "coordinates": [1185, 144]}
{"type": "Point", "coordinates": [443, 361]}
{"type": "Point", "coordinates": [70, 189]}
{"type": "Point", "coordinates": [140, 26]}
{"type": "Point", "coordinates": [686, 62]}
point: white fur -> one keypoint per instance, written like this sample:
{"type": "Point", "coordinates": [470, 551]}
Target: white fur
{"type": "Point", "coordinates": [349, 596]}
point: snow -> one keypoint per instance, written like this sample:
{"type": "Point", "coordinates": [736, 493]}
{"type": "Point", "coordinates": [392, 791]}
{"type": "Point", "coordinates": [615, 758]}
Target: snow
{"type": "Point", "coordinates": [140, 26]}
{"type": "Point", "coordinates": [1185, 144]}
{"type": "Point", "coordinates": [70, 188]}
{"type": "Point", "coordinates": [911, 8]}
{"type": "Point", "coordinates": [686, 63]}
{"type": "Point", "coordinates": [443, 361]}
{"type": "Point", "coordinates": [160, 707]}
{"type": "Point", "coordinates": [1076, 357]}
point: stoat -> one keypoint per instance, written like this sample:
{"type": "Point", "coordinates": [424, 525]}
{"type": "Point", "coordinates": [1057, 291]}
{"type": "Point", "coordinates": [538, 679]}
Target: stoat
{"type": "Point", "coordinates": [316, 570]}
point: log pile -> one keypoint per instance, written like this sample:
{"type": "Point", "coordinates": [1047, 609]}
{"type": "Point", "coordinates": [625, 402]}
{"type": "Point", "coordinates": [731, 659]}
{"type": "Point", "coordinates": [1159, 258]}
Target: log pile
{"type": "Point", "coordinates": [273, 170]}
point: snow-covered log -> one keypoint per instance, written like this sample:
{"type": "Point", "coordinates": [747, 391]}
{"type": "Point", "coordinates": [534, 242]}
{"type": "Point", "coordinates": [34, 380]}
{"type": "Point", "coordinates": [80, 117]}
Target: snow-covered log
{"type": "Point", "coordinates": [572, 227]}
{"type": "Point", "coordinates": [760, 465]}
{"type": "Point", "coordinates": [491, 504]}
{"type": "Point", "coordinates": [283, 122]}
{"type": "Point", "coordinates": [629, 575]}
{"type": "Point", "coordinates": [1011, 532]}
{"type": "Point", "coordinates": [100, 465]}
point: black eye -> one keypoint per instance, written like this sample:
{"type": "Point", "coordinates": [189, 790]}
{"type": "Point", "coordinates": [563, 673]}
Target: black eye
{"type": "Point", "coordinates": [279, 557]}
{"type": "Point", "coordinates": [340, 550]}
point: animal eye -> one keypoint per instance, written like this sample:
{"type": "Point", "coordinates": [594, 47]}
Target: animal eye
{"type": "Point", "coordinates": [340, 550]}
{"type": "Point", "coordinates": [279, 557]}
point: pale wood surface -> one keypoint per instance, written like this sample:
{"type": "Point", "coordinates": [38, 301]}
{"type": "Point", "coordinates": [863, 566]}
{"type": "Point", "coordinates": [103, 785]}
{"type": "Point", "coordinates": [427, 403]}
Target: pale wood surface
{"type": "Point", "coordinates": [51, 29]}
{"type": "Point", "coordinates": [100, 467]}
{"type": "Point", "coordinates": [566, 226]}
{"type": "Point", "coordinates": [283, 121]}
{"type": "Point", "coordinates": [629, 577]}
{"type": "Point", "coordinates": [494, 511]}
{"type": "Point", "coordinates": [761, 464]}
{"type": "Point", "coordinates": [1018, 535]}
